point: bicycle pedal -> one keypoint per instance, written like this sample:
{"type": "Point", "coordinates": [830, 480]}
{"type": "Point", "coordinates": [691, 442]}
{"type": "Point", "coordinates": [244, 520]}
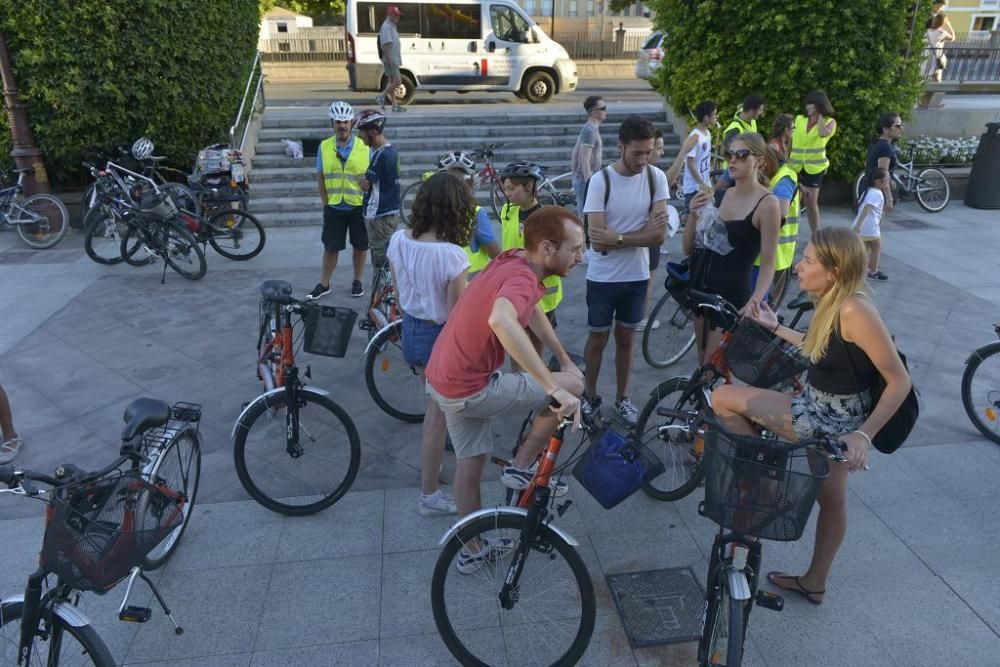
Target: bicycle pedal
{"type": "Point", "coordinates": [770, 600]}
{"type": "Point", "coordinates": [561, 509]}
{"type": "Point", "coordinates": [365, 325]}
{"type": "Point", "coordinates": [133, 614]}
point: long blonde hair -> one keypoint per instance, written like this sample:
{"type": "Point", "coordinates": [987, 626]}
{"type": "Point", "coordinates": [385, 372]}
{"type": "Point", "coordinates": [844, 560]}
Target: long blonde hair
{"type": "Point", "coordinates": [758, 147]}
{"type": "Point", "coordinates": [842, 253]}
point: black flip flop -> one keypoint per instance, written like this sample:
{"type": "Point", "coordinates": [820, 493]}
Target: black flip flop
{"type": "Point", "coordinates": [799, 588]}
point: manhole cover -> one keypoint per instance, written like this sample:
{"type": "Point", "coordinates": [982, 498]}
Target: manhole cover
{"type": "Point", "coordinates": [659, 606]}
{"type": "Point", "coordinates": [897, 222]}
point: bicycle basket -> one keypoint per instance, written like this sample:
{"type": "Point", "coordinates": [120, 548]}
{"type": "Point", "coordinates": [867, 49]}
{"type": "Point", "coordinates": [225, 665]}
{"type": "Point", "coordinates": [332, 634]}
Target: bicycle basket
{"type": "Point", "coordinates": [157, 204]}
{"type": "Point", "coordinates": [328, 330]}
{"type": "Point", "coordinates": [758, 358]}
{"type": "Point", "coordinates": [614, 467]}
{"type": "Point", "coordinates": [760, 487]}
{"type": "Point", "coordinates": [98, 531]}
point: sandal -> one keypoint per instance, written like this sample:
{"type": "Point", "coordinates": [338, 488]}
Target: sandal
{"type": "Point", "coordinates": [10, 449]}
{"type": "Point", "coordinates": [797, 588]}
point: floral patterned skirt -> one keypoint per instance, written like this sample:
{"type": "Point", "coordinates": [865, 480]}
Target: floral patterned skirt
{"type": "Point", "coordinates": [816, 413]}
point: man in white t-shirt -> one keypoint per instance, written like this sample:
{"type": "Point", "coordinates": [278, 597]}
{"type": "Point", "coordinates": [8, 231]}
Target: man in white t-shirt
{"type": "Point", "coordinates": [624, 222]}
{"type": "Point", "coordinates": [695, 156]}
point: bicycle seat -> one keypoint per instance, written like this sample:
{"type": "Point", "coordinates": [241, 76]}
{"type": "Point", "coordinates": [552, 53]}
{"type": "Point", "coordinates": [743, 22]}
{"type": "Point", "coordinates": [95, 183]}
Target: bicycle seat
{"type": "Point", "coordinates": [143, 414]}
{"type": "Point", "coordinates": [801, 302]}
{"type": "Point", "coordinates": [278, 291]}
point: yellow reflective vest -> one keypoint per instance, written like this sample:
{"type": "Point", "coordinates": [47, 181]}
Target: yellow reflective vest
{"type": "Point", "coordinates": [341, 178]}
{"type": "Point", "coordinates": [742, 126]}
{"type": "Point", "coordinates": [479, 259]}
{"type": "Point", "coordinates": [512, 236]}
{"type": "Point", "coordinates": [788, 234]}
{"type": "Point", "coordinates": [808, 148]}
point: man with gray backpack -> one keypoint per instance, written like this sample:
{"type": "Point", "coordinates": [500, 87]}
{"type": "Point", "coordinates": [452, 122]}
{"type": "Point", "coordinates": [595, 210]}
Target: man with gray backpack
{"type": "Point", "coordinates": [626, 209]}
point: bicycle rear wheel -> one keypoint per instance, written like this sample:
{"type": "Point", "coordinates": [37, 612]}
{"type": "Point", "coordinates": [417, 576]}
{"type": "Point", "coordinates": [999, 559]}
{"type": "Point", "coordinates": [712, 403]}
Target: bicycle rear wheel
{"type": "Point", "coordinates": [859, 184]}
{"type": "Point", "coordinates": [306, 481]}
{"type": "Point", "coordinates": [981, 390]}
{"type": "Point", "coordinates": [680, 451]}
{"type": "Point", "coordinates": [553, 615]}
{"type": "Point", "coordinates": [722, 637]}
{"type": "Point", "coordinates": [182, 252]}
{"type": "Point", "coordinates": [779, 287]}
{"type": "Point", "coordinates": [932, 190]}
{"type": "Point", "coordinates": [667, 344]}
{"type": "Point", "coordinates": [497, 199]}
{"type": "Point", "coordinates": [407, 199]}
{"type": "Point", "coordinates": [41, 221]}
{"type": "Point", "coordinates": [102, 239]}
{"type": "Point", "coordinates": [134, 247]}
{"type": "Point", "coordinates": [236, 234]}
{"type": "Point", "coordinates": [65, 645]}
{"type": "Point", "coordinates": [176, 470]}
{"type": "Point", "coordinates": [394, 385]}
{"type": "Point", "coordinates": [182, 196]}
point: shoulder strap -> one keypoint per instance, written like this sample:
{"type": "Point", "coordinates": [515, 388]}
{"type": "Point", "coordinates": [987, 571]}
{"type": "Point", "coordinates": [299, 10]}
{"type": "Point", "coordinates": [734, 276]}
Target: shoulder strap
{"type": "Point", "coordinates": [754, 209]}
{"type": "Point", "coordinates": [607, 188]}
{"type": "Point", "coordinates": [652, 185]}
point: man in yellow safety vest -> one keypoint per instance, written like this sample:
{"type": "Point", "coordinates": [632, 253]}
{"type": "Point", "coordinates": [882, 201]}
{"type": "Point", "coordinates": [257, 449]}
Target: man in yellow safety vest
{"type": "Point", "coordinates": [785, 186]}
{"type": "Point", "coordinates": [341, 163]}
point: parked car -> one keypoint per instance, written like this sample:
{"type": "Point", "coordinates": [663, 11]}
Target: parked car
{"type": "Point", "coordinates": [648, 58]}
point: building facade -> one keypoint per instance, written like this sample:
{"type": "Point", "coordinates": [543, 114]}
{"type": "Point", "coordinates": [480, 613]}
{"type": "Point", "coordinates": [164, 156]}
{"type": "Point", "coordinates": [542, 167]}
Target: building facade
{"type": "Point", "coordinates": [974, 19]}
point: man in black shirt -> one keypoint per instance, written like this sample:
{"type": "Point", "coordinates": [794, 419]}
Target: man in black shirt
{"type": "Point", "coordinates": [883, 154]}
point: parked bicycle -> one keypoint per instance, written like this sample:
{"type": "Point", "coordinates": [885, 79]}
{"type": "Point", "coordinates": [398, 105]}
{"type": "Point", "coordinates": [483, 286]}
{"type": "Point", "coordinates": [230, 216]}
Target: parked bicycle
{"type": "Point", "coordinates": [929, 186]}
{"type": "Point", "coordinates": [755, 489]}
{"type": "Point", "coordinates": [746, 352]}
{"type": "Point", "coordinates": [40, 220]}
{"type": "Point", "coordinates": [535, 597]}
{"type": "Point", "coordinates": [100, 528]}
{"type": "Point", "coordinates": [981, 388]}
{"type": "Point", "coordinates": [296, 450]}
{"type": "Point", "coordinates": [156, 232]}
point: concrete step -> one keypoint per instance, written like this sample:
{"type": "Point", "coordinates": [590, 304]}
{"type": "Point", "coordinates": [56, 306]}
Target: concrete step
{"type": "Point", "coordinates": [278, 206]}
{"type": "Point", "coordinates": [320, 119]}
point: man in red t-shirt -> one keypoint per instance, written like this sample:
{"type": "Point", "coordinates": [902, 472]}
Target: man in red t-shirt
{"type": "Point", "coordinates": [489, 321]}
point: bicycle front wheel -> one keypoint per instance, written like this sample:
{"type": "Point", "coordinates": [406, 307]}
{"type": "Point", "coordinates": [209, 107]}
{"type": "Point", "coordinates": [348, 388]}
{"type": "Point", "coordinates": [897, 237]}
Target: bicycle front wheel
{"type": "Point", "coordinates": [779, 287]}
{"type": "Point", "coordinates": [176, 471]}
{"type": "Point", "coordinates": [552, 618]}
{"type": "Point", "coordinates": [236, 234]}
{"type": "Point", "coordinates": [182, 252]}
{"type": "Point", "coordinates": [406, 201]}
{"type": "Point", "coordinates": [668, 343]}
{"type": "Point", "coordinates": [981, 390]}
{"type": "Point", "coordinates": [135, 246]}
{"type": "Point", "coordinates": [678, 449]}
{"type": "Point", "coordinates": [65, 645]}
{"type": "Point", "coordinates": [309, 479]}
{"type": "Point", "coordinates": [394, 385]}
{"type": "Point", "coordinates": [722, 637]}
{"type": "Point", "coordinates": [41, 221]}
{"type": "Point", "coordinates": [859, 184]}
{"type": "Point", "coordinates": [932, 190]}
{"type": "Point", "coordinates": [497, 199]}
{"type": "Point", "coordinates": [102, 240]}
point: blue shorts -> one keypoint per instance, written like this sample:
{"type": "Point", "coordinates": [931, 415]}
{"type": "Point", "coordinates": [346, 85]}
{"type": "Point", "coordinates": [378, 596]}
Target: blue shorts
{"type": "Point", "coordinates": [623, 303]}
{"type": "Point", "coordinates": [418, 339]}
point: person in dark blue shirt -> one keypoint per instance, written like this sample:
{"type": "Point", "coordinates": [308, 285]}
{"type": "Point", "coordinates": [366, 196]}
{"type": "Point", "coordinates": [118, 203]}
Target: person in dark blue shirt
{"type": "Point", "coordinates": [380, 183]}
{"type": "Point", "coordinates": [883, 154]}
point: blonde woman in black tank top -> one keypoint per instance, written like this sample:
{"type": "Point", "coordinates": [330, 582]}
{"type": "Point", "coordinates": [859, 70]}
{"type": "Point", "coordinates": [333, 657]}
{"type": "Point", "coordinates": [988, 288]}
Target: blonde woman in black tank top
{"type": "Point", "coordinates": [832, 271]}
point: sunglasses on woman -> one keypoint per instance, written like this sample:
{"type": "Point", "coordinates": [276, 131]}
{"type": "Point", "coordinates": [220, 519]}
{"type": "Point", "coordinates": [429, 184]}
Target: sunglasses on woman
{"type": "Point", "coordinates": [737, 156]}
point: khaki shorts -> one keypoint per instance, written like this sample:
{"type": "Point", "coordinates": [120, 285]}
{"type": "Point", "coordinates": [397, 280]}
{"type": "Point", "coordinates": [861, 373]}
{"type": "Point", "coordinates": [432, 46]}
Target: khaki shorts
{"type": "Point", "coordinates": [470, 419]}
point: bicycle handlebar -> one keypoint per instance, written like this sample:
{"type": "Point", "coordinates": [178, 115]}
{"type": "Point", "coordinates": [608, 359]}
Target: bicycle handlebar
{"type": "Point", "coordinates": [713, 302]}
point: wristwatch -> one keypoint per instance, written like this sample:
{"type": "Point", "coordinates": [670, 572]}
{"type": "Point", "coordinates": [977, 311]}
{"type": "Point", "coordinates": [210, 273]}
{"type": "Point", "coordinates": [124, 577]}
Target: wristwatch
{"type": "Point", "coordinates": [621, 241]}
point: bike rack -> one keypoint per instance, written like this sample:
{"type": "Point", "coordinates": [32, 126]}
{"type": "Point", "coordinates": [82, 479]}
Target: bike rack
{"type": "Point", "coordinates": [255, 104]}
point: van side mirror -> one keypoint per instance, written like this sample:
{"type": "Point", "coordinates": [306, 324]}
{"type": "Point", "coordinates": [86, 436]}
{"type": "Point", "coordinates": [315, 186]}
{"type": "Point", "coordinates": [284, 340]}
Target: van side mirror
{"type": "Point", "coordinates": [534, 36]}
{"type": "Point", "coordinates": [491, 46]}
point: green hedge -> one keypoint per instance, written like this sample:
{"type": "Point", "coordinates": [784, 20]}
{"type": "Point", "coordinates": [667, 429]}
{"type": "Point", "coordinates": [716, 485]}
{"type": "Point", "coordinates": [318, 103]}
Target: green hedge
{"type": "Point", "coordinates": [851, 49]}
{"type": "Point", "coordinates": [98, 73]}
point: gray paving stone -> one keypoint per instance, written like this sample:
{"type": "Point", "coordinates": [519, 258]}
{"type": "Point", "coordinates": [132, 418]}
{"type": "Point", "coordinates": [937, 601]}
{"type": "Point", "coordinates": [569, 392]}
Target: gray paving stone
{"type": "Point", "coordinates": [406, 593]}
{"type": "Point", "coordinates": [429, 651]}
{"type": "Point", "coordinates": [310, 601]}
{"type": "Point", "coordinates": [346, 654]}
{"type": "Point", "coordinates": [223, 535]}
{"type": "Point", "coordinates": [351, 527]}
{"type": "Point", "coordinates": [234, 660]}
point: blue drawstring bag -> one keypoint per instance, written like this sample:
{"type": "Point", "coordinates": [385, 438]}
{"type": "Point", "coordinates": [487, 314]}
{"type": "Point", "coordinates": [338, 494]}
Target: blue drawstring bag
{"type": "Point", "coordinates": [614, 468]}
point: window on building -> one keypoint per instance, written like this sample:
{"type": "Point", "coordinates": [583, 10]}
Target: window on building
{"type": "Point", "coordinates": [529, 7]}
{"type": "Point", "coordinates": [989, 4]}
{"type": "Point", "coordinates": [284, 47]}
{"type": "Point", "coordinates": [590, 8]}
{"type": "Point", "coordinates": [282, 27]}
{"type": "Point", "coordinates": [572, 11]}
{"type": "Point", "coordinates": [984, 23]}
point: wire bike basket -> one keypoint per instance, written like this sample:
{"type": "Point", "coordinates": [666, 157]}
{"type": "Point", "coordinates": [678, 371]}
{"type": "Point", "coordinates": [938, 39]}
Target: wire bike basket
{"type": "Point", "coordinates": [760, 487]}
{"type": "Point", "coordinates": [758, 358]}
{"type": "Point", "coordinates": [328, 330]}
{"type": "Point", "coordinates": [98, 531]}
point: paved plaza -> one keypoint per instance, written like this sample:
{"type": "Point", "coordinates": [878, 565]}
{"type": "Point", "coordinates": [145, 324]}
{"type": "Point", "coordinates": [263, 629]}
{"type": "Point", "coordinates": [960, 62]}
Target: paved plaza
{"type": "Point", "coordinates": [915, 583]}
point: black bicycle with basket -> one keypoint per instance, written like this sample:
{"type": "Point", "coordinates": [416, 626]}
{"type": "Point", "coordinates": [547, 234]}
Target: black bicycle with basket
{"type": "Point", "coordinates": [296, 450]}
{"type": "Point", "coordinates": [101, 528]}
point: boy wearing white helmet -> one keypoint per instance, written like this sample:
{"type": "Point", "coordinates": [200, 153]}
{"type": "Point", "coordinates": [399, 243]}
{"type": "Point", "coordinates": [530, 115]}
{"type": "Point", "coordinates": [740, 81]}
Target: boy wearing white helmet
{"type": "Point", "coordinates": [341, 163]}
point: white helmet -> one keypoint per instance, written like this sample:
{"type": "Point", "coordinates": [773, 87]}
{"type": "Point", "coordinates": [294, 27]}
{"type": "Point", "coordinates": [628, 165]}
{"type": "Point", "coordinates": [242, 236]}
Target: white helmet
{"type": "Point", "coordinates": [457, 160]}
{"type": "Point", "coordinates": [142, 148]}
{"type": "Point", "coordinates": [340, 110]}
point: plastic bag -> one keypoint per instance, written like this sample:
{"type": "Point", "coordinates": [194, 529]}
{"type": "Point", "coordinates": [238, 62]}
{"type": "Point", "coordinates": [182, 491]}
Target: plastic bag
{"type": "Point", "coordinates": [673, 221]}
{"type": "Point", "coordinates": [711, 233]}
{"type": "Point", "coordinates": [293, 149]}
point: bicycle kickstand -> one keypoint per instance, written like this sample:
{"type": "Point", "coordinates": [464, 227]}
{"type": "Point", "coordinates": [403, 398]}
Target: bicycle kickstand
{"type": "Point", "coordinates": [163, 280]}
{"type": "Point", "coordinates": [136, 614]}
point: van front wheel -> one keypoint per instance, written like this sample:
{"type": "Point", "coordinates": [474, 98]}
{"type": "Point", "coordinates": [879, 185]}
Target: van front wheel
{"type": "Point", "coordinates": [538, 87]}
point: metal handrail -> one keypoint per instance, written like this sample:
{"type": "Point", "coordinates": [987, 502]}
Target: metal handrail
{"type": "Point", "coordinates": [255, 69]}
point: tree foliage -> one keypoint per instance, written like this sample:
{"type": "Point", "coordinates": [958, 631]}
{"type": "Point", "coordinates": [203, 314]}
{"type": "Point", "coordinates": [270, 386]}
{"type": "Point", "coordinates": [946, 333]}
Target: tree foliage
{"type": "Point", "coordinates": [98, 73]}
{"type": "Point", "coordinates": [854, 50]}
{"type": "Point", "coordinates": [620, 5]}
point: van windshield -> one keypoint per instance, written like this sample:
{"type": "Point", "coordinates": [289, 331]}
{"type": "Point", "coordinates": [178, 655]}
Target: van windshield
{"type": "Point", "coordinates": [508, 25]}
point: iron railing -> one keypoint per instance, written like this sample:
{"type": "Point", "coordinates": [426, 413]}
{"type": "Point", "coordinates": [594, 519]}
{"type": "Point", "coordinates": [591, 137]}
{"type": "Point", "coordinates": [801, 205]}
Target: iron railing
{"type": "Point", "coordinates": [591, 46]}
{"type": "Point", "coordinates": [979, 64]}
{"type": "Point", "coordinates": [255, 82]}
{"type": "Point", "coordinates": [303, 49]}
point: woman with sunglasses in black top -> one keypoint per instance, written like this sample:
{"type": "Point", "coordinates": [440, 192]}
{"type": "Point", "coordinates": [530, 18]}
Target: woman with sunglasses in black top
{"type": "Point", "coordinates": [752, 218]}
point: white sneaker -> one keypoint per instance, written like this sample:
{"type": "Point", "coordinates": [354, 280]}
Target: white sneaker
{"type": "Point", "coordinates": [493, 550]}
{"type": "Point", "coordinates": [437, 504]}
{"type": "Point", "coordinates": [10, 449]}
{"type": "Point", "coordinates": [627, 411]}
{"type": "Point", "coordinates": [642, 325]}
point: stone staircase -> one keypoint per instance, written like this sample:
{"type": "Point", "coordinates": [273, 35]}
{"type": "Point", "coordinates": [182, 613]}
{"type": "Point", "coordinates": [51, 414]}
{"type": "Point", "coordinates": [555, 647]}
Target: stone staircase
{"type": "Point", "coordinates": [284, 190]}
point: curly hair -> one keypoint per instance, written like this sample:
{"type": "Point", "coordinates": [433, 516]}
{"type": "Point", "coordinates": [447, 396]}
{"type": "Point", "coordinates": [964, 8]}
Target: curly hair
{"type": "Point", "coordinates": [445, 205]}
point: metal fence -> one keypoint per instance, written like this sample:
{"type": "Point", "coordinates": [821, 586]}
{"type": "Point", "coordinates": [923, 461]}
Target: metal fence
{"type": "Point", "coordinates": [963, 64]}
{"type": "Point", "coordinates": [590, 46]}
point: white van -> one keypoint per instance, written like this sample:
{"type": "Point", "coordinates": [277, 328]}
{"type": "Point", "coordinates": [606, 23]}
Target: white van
{"type": "Point", "coordinates": [461, 45]}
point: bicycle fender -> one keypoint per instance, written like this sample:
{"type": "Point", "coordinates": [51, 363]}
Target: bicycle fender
{"type": "Point", "coordinates": [377, 333]}
{"type": "Point", "coordinates": [982, 352]}
{"type": "Point", "coordinates": [263, 397]}
{"type": "Point", "coordinates": [499, 509]}
{"type": "Point", "coordinates": [739, 587]}
{"type": "Point", "coordinates": [69, 614]}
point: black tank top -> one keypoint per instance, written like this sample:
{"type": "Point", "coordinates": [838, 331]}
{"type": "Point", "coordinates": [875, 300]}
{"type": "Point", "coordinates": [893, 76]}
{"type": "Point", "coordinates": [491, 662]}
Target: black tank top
{"type": "Point", "coordinates": [838, 373]}
{"type": "Point", "coordinates": [729, 275]}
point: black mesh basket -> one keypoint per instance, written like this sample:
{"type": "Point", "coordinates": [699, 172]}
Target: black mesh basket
{"type": "Point", "coordinates": [99, 531]}
{"type": "Point", "coordinates": [328, 330]}
{"type": "Point", "coordinates": [760, 359]}
{"type": "Point", "coordinates": [758, 487]}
